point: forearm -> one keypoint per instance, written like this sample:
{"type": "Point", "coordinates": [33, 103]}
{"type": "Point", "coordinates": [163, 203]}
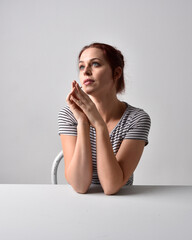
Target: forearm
{"type": "Point", "coordinates": [79, 171]}
{"type": "Point", "coordinates": [109, 171]}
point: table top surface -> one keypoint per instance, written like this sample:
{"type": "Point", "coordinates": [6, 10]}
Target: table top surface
{"type": "Point", "coordinates": [58, 212]}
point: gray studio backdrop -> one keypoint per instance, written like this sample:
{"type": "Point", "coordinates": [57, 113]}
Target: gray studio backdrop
{"type": "Point", "coordinates": [39, 44]}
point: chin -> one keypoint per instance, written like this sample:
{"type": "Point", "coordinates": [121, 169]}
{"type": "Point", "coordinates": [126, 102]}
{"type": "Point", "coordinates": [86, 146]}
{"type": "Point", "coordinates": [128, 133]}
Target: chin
{"type": "Point", "coordinates": [88, 91]}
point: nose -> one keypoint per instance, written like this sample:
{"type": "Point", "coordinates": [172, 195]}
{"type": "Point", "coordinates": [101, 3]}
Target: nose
{"type": "Point", "coordinates": [87, 71]}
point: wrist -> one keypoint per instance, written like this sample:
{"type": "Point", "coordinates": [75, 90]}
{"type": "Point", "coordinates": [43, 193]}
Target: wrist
{"type": "Point", "coordinates": [83, 123]}
{"type": "Point", "coordinates": [101, 126]}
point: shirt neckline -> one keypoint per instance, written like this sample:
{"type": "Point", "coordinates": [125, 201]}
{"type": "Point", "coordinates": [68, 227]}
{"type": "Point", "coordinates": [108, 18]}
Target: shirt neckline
{"type": "Point", "coordinates": [120, 119]}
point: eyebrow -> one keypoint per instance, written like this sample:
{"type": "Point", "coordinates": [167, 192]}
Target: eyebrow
{"type": "Point", "coordinates": [91, 60]}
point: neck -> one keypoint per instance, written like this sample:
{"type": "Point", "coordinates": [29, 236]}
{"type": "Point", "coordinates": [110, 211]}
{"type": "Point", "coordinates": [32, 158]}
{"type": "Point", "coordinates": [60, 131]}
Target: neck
{"type": "Point", "coordinates": [109, 107]}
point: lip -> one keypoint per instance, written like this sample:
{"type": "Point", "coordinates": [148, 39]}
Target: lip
{"type": "Point", "coordinates": [88, 81]}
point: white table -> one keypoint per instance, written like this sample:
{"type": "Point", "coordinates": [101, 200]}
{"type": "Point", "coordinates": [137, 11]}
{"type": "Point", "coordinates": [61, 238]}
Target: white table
{"type": "Point", "coordinates": [54, 212]}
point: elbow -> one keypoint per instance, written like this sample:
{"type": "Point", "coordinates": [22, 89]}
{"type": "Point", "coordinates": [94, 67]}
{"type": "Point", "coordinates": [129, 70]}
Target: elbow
{"type": "Point", "coordinates": [111, 190]}
{"type": "Point", "coordinates": [112, 187]}
{"type": "Point", "coordinates": [112, 184]}
{"type": "Point", "coordinates": [109, 193]}
{"type": "Point", "coordinates": [81, 189]}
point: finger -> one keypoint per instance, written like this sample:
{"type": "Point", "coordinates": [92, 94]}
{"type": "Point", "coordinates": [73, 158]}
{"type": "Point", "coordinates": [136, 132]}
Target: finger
{"type": "Point", "coordinates": [82, 93]}
{"type": "Point", "coordinates": [71, 93]}
{"type": "Point", "coordinates": [80, 90]}
{"type": "Point", "coordinates": [77, 101]}
{"type": "Point", "coordinates": [73, 84]}
{"type": "Point", "coordinates": [68, 99]}
{"type": "Point", "coordinates": [74, 99]}
{"type": "Point", "coordinates": [78, 96]}
{"type": "Point", "coordinates": [77, 92]}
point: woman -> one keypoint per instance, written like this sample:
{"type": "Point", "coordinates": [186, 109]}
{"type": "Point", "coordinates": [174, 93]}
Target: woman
{"type": "Point", "coordinates": [102, 137]}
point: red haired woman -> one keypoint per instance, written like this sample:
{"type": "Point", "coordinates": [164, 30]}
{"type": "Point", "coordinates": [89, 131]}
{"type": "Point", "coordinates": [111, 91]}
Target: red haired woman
{"type": "Point", "coordinates": [102, 137]}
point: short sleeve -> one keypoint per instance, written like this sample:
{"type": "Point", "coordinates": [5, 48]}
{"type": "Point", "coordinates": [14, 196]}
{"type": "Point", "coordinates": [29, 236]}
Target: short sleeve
{"type": "Point", "coordinates": [67, 124]}
{"type": "Point", "coordinates": [139, 127]}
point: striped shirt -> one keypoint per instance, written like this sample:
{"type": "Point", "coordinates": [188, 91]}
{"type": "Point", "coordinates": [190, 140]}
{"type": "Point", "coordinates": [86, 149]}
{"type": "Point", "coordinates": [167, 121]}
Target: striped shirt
{"type": "Point", "coordinates": [134, 124]}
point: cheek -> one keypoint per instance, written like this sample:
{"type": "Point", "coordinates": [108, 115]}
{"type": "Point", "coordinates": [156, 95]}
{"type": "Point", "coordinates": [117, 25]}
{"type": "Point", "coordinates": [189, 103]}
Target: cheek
{"type": "Point", "coordinates": [106, 76]}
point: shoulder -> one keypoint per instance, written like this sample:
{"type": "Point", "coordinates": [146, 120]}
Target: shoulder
{"type": "Point", "coordinates": [135, 115]}
{"type": "Point", "coordinates": [66, 122]}
{"type": "Point", "coordinates": [66, 114]}
{"type": "Point", "coordinates": [136, 123]}
{"type": "Point", "coordinates": [65, 110]}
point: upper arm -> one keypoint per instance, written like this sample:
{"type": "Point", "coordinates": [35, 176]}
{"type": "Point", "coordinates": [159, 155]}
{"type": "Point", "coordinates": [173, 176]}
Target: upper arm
{"type": "Point", "coordinates": [68, 145]}
{"type": "Point", "coordinates": [67, 125]}
{"type": "Point", "coordinates": [128, 156]}
{"type": "Point", "coordinates": [132, 146]}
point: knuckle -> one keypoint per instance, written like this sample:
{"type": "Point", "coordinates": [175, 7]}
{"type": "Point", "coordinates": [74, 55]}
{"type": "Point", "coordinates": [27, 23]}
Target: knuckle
{"type": "Point", "coordinates": [89, 108]}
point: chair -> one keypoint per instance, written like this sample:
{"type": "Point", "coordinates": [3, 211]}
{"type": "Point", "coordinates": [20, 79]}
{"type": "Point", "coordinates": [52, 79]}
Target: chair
{"type": "Point", "coordinates": [54, 168]}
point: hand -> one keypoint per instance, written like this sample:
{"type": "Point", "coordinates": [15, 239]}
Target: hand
{"type": "Point", "coordinates": [85, 105]}
{"type": "Point", "coordinates": [77, 112]}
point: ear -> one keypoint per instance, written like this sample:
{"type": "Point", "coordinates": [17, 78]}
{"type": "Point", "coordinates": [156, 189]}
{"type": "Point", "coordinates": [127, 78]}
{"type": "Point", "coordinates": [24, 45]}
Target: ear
{"type": "Point", "coordinates": [117, 73]}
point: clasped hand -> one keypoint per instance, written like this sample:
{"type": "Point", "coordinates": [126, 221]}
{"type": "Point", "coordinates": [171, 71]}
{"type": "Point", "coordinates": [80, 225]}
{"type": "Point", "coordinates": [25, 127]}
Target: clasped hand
{"type": "Point", "coordinates": [82, 106]}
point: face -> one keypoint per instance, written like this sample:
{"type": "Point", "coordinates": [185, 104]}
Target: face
{"type": "Point", "coordinates": [95, 72]}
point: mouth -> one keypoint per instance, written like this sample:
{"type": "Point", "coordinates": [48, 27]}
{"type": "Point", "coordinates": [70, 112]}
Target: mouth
{"type": "Point", "coordinates": [88, 81]}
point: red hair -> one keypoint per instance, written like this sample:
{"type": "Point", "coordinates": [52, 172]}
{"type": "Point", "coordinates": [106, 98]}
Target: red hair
{"type": "Point", "coordinates": [114, 58]}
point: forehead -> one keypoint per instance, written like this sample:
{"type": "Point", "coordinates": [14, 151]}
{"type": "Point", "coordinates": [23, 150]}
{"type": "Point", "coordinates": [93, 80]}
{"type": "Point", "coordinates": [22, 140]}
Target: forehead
{"type": "Point", "coordinates": [91, 53]}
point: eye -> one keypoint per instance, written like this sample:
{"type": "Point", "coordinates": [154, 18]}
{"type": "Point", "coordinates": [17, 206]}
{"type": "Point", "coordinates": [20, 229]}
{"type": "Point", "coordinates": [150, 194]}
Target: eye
{"type": "Point", "coordinates": [95, 64]}
{"type": "Point", "coordinates": [81, 67]}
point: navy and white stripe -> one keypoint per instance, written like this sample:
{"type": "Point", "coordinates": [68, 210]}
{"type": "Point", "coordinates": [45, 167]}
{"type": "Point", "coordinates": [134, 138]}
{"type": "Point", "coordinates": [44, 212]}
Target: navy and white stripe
{"type": "Point", "coordinates": [134, 124]}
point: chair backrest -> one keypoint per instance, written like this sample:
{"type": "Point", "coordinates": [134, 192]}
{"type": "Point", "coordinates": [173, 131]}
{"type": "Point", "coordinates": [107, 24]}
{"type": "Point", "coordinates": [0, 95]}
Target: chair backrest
{"type": "Point", "coordinates": [54, 168]}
